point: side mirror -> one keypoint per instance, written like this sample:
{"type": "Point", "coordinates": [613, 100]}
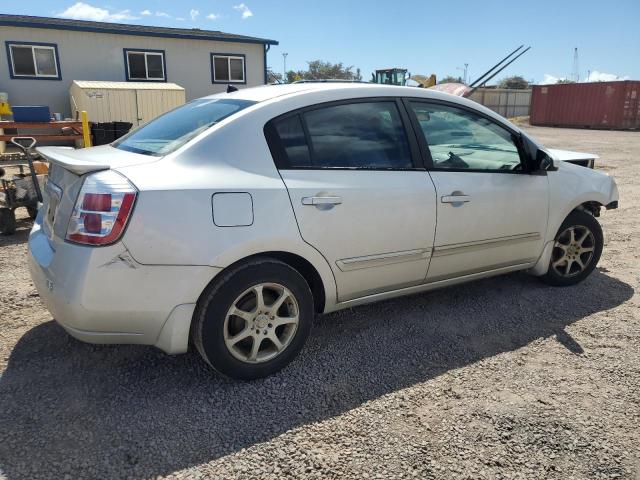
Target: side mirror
{"type": "Point", "coordinates": [546, 162]}
{"type": "Point", "coordinates": [423, 116]}
{"type": "Point", "coordinates": [537, 158]}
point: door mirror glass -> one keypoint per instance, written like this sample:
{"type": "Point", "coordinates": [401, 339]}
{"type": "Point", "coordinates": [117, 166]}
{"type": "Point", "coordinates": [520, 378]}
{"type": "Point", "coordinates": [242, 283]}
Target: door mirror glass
{"type": "Point", "coordinates": [423, 115]}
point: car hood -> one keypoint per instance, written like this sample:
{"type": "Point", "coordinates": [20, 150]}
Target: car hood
{"type": "Point", "coordinates": [569, 156]}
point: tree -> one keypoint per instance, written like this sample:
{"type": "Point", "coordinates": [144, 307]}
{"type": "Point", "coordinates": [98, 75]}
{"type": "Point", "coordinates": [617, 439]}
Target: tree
{"type": "Point", "coordinates": [293, 76]}
{"type": "Point", "coordinates": [449, 79]}
{"type": "Point", "coordinates": [273, 77]}
{"type": "Point", "coordinates": [515, 82]}
{"type": "Point", "coordinates": [564, 80]}
{"type": "Point", "coordinates": [320, 70]}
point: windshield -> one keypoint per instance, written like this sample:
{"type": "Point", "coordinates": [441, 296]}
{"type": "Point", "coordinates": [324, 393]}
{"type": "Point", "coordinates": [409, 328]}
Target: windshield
{"type": "Point", "coordinates": [175, 128]}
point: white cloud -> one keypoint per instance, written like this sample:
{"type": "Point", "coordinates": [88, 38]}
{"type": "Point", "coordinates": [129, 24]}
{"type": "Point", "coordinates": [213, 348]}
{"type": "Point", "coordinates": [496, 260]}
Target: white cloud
{"type": "Point", "coordinates": [145, 13]}
{"type": "Point", "coordinates": [194, 14]}
{"type": "Point", "coordinates": [84, 11]}
{"type": "Point", "coordinates": [163, 15]}
{"type": "Point", "coordinates": [180, 19]}
{"type": "Point", "coordinates": [213, 16]}
{"type": "Point", "coordinates": [242, 8]}
{"type": "Point", "coordinates": [550, 79]}
{"type": "Point", "coordinates": [596, 76]}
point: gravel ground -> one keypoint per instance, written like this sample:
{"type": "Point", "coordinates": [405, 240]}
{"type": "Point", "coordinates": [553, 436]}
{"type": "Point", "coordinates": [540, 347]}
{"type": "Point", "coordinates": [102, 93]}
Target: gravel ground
{"type": "Point", "coordinates": [501, 378]}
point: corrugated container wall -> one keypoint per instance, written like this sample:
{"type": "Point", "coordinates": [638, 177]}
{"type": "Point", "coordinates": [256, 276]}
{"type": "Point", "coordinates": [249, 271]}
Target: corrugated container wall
{"type": "Point", "coordinates": [504, 101]}
{"type": "Point", "coordinates": [607, 105]}
{"type": "Point", "coordinates": [133, 102]}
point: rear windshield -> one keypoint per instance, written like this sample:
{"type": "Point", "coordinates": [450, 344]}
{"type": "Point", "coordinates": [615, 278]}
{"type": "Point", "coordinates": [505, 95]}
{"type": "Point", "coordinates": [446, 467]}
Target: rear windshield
{"type": "Point", "coordinates": [175, 128]}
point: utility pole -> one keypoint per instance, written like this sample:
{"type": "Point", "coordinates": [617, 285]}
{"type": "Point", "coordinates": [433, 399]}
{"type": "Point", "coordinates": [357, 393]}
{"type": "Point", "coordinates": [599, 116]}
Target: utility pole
{"type": "Point", "coordinates": [284, 61]}
{"type": "Point", "coordinates": [576, 66]}
{"type": "Point", "coordinates": [464, 72]}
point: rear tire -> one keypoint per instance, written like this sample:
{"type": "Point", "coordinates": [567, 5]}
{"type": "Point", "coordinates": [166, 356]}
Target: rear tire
{"type": "Point", "coordinates": [7, 221]}
{"type": "Point", "coordinates": [254, 320]}
{"type": "Point", "coordinates": [576, 251]}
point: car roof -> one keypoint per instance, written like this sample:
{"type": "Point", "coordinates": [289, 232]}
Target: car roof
{"type": "Point", "coordinates": [268, 92]}
{"type": "Point", "coordinates": [356, 90]}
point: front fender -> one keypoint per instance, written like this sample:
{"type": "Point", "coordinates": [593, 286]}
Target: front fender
{"type": "Point", "coordinates": [571, 186]}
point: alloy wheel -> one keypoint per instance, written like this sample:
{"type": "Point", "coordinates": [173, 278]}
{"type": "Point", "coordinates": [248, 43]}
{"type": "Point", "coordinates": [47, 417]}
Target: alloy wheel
{"type": "Point", "coordinates": [261, 323]}
{"type": "Point", "coordinates": [573, 251]}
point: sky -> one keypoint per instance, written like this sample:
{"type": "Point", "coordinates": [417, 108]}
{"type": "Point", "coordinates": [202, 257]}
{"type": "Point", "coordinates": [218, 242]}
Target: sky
{"type": "Point", "coordinates": [423, 36]}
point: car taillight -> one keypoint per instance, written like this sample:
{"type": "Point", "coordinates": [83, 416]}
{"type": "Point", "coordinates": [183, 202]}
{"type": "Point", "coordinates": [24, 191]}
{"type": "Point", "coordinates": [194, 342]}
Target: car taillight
{"type": "Point", "coordinates": [102, 209]}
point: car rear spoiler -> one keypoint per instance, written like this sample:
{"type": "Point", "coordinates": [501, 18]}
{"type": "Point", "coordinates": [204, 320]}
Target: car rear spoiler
{"type": "Point", "coordinates": [64, 156]}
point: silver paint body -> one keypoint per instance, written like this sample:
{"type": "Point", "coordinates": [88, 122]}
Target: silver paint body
{"type": "Point", "coordinates": [219, 199]}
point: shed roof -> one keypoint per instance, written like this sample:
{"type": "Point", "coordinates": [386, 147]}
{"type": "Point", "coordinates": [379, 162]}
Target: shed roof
{"type": "Point", "coordinates": [98, 84]}
{"type": "Point", "coordinates": [127, 29]}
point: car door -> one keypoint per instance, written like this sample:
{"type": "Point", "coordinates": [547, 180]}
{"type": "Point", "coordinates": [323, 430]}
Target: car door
{"type": "Point", "coordinates": [358, 194]}
{"type": "Point", "coordinates": [492, 212]}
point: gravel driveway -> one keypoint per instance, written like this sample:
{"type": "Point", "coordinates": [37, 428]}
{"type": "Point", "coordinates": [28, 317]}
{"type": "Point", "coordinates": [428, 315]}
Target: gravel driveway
{"type": "Point", "coordinates": [501, 378]}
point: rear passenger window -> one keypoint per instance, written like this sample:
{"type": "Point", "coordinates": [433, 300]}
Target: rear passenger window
{"type": "Point", "coordinates": [293, 142]}
{"type": "Point", "coordinates": [357, 135]}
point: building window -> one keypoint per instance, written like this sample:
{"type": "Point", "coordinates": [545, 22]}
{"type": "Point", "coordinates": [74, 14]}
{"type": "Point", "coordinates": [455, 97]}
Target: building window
{"type": "Point", "coordinates": [33, 60]}
{"type": "Point", "coordinates": [228, 68]}
{"type": "Point", "coordinates": [145, 65]}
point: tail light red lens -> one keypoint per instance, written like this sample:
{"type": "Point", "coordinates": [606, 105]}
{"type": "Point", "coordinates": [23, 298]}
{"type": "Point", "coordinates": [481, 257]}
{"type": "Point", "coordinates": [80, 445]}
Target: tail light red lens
{"type": "Point", "coordinates": [92, 222]}
{"type": "Point", "coordinates": [102, 209]}
{"type": "Point", "coordinates": [97, 202]}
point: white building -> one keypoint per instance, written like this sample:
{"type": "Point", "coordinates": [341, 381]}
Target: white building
{"type": "Point", "coordinates": [42, 56]}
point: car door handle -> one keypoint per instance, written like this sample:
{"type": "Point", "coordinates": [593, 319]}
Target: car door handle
{"type": "Point", "coordinates": [457, 198]}
{"type": "Point", "coordinates": [321, 200]}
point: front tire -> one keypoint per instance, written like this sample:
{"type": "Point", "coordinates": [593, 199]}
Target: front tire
{"type": "Point", "coordinates": [254, 320]}
{"type": "Point", "coordinates": [576, 250]}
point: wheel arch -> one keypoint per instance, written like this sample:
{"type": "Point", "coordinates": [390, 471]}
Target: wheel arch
{"type": "Point", "coordinates": [321, 289]}
{"type": "Point", "coordinates": [590, 202]}
{"type": "Point", "coordinates": [306, 269]}
{"type": "Point", "coordinates": [591, 207]}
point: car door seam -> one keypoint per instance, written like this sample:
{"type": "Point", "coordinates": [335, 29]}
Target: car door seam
{"type": "Point", "coordinates": [295, 217]}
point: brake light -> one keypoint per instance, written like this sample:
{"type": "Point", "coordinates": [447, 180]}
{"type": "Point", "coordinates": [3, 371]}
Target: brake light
{"type": "Point", "coordinates": [102, 209]}
{"type": "Point", "coordinates": [97, 202]}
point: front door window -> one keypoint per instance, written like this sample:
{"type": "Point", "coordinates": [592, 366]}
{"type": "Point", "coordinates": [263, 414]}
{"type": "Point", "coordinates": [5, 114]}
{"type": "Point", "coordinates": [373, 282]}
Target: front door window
{"type": "Point", "coordinates": [461, 140]}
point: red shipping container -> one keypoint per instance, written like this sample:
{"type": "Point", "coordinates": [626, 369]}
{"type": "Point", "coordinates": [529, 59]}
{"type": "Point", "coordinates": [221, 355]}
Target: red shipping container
{"type": "Point", "coordinates": [606, 105]}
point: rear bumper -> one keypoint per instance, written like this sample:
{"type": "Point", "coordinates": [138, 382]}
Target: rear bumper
{"type": "Point", "coordinates": [102, 295]}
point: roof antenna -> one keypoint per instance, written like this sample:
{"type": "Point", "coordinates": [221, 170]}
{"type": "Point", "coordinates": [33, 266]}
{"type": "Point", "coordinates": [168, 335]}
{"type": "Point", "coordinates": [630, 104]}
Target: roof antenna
{"type": "Point", "coordinates": [231, 88]}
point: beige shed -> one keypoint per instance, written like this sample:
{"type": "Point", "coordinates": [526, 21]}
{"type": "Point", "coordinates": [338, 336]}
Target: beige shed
{"type": "Point", "coordinates": [134, 102]}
